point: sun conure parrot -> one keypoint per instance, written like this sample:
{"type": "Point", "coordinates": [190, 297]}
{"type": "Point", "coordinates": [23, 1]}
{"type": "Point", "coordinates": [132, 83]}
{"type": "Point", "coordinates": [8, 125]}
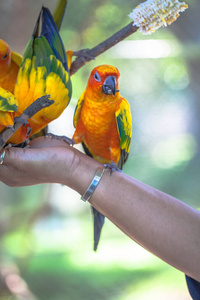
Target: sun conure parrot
{"type": "Point", "coordinates": [9, 67]}
{"type": "Point", "coordinates": [43, 71]}
{"type": "Point", "coordinates": [10, 61]}
{"type": "Point", "coordinates": [103, 123]}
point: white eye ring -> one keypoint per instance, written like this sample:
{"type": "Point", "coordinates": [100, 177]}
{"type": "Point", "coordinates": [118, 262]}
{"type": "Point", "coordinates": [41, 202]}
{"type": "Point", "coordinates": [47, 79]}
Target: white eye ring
{"type": "Point", "coordinates": [97, 77]}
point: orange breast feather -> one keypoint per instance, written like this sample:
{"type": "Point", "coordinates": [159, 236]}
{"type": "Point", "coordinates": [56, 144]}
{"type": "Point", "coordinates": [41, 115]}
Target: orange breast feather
{"type": "Point", "coordinates": [97, 128]}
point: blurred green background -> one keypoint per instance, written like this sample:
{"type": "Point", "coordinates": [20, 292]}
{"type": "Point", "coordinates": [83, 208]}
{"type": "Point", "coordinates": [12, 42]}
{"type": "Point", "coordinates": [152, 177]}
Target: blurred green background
{"type": "Point", "coordinates": [46, 231]}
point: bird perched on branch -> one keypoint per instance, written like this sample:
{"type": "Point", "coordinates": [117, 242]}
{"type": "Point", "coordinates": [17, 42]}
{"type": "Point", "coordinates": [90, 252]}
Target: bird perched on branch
{"type": "Point", "coordinates": [43, 71]}
{"type": "Point", "coordinates": [10, 62]}
{"type": "Point", "coordinates": [103, 123]}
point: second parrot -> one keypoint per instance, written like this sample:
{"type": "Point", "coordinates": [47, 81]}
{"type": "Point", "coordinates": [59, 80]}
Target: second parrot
{"type": "Point", "coordinates": [103, 125]}
{"type": "Point", "coordinates": [43, 71]}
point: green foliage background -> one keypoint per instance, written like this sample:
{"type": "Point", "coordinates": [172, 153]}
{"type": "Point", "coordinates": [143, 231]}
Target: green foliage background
{"type": "Point", "coordinates": [45, 230]}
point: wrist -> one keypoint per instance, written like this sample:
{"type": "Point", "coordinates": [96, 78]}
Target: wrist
{"type": "Point", "coordinates": [82, 171]}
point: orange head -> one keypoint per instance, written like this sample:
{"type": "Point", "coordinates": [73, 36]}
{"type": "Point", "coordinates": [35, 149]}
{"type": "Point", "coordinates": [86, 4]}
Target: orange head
{"type": "Point", "coordinates": [103, 82]}
{"type": "Point", "coordinates": [5, 57]}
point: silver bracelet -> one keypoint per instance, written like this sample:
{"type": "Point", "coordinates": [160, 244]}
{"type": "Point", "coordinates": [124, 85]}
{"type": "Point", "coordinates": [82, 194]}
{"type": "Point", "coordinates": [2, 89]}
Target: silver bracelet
{"type": "Point", "coordinates": [93, 185]}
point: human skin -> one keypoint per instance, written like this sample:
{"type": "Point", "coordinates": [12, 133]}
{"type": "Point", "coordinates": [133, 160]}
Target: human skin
{"type": "Point", "coordinates": [157, 221]}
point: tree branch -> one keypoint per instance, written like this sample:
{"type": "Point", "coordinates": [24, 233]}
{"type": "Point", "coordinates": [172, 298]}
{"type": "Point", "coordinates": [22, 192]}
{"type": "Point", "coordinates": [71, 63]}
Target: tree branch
{"type": "Point", "coordinates": [31, 110]}
{"type": "Point", "coordinates": [89, 54]}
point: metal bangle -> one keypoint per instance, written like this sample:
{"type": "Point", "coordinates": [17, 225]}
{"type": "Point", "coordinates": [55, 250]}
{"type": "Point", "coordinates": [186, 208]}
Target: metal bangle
{"type": "Point", "coordinates": [93, 185]}
{"type": "Point", "coordinates": [2, 155]}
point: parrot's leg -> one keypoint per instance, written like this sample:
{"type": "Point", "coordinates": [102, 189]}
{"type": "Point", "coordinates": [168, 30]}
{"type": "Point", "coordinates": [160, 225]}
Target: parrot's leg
{"type": "Point", "coordinates": [11, 127]}
{"type": "Point", "coordinates": [20, 120]}
{"type": "Point", "coordinates": [112, 167]}
{"type": "Point", "coordinates": [61, 138]}
{"type": "Point", "coordinates": [25, 144]}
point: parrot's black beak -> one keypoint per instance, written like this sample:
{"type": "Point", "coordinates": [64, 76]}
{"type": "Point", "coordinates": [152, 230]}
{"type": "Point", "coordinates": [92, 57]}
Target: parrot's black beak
{"type": "Point", "coordinates": [109, 86]}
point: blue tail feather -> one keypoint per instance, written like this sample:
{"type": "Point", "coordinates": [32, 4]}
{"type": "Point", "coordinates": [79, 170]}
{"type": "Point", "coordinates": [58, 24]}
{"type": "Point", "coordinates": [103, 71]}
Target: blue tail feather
{"type": "Point", "coordinates": [99, 220]}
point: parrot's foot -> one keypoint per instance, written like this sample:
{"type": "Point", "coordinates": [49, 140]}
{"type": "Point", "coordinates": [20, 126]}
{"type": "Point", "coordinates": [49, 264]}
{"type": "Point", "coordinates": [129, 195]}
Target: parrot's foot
{"type": "Point", "coordinates": [25, 124]}
{"type": "Point", "coordinates": [20, 120]}
{"type": "Point", "coordinates": [11, 127]}
{"type": "Point", "coordinates": [112, 167]}
{"type": "Point", "coordinates": [64, 138]}
{"type": "Point", "coordinates": [84, 55]}
{"type": "Point", "coordinates": [25, 144]}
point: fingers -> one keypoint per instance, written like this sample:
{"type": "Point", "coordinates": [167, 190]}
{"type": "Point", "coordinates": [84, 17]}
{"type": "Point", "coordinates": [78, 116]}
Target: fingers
{"type": "Point", "coordinates": [47, 142]}
{"type": "Point", "coordinates": [8, 171]}
{"type": "Point", "coordinates": [45, 161]}
{"type": "Point", "coordinates": [13, 156]}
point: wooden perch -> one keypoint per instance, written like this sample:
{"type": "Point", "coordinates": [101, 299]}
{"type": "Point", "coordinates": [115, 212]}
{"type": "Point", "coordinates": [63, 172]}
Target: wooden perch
{"type": "Point", "coordinates": [31, 110]}
{"type": "Point", "coordinates": [89, 54]}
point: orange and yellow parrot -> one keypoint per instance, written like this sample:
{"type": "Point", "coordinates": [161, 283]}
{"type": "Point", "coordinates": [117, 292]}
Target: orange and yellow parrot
{"type": "Point", "coordinates": [43, 71]}
{"type": "Point", "coordinates": [9, 67]}
{"type": "Point", "coordinates": [10, 61]}
{"type": "Point", "coordinates": [103, 123]}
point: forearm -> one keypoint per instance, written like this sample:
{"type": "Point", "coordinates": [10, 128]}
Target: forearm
{"type": "Point", "coordinates": [160, 223]}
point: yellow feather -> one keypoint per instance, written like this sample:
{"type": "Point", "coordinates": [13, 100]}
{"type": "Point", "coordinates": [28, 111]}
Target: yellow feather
{"type": "Point", "coordinates": [124, 114]}
{"type": "Point", "coordinates": [8, 101]}
{"type": "Point", "coordinates": [22, 84]}
{"type": "Point", "coordinates": [78, 109]}
{"type": "Point", "coordinates": [6, 119]}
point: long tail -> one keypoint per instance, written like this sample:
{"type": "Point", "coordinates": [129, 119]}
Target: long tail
{"type": "Point", "coordinates": [99, 220]}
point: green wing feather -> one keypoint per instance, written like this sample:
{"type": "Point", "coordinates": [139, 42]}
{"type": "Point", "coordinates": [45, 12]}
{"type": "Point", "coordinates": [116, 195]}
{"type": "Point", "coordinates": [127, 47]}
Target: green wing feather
{"type": "Point", "coordinates": [46, 49]}
{"type": "Point", "coordinates": [8, 102]}
{"type": "Point", "coordinates": [78, 108]}
{"type": "Point", "coordinates": [57, 16]}
{"type": "Point", "coordinates": [124, 124]}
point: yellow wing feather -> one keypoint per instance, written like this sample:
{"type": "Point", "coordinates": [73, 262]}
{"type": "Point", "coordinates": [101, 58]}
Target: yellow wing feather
{"type": "Point", "coordinates": [78, 108]}
{"type": "Point", "coordinates": [8, 105]}
{"type": "Point", "coordinates": [124, 123]}
{"type": "Point", "coordinates": [8, 102]}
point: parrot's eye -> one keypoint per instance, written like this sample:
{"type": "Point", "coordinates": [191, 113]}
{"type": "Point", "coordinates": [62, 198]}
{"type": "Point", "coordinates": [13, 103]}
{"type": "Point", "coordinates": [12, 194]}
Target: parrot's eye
{"type": "Point", "coordinates": [4, 57]}
{"type": "Point", "coordinates": [97, 77]}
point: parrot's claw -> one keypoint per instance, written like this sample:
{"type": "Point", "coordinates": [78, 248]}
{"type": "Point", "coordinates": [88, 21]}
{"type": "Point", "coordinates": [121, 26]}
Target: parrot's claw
{"type": "Point", "coordinates": [112, 166]}
{"type": "Point", "coordinates": [21, 145]}
{"type": "Point", "coordinates": [12, 128]}
{"type": "Point", "coordinates": [20, 120]}
{"type": "Point", "coordinates": [8, 146]}
{"type": "Point", "coordinates": [64, 138]}
{"type": "Point", "coordinates": [83, 55]}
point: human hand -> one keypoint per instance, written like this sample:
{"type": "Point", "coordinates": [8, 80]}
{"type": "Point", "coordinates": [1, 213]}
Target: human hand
{"type": "Point", "coordinates": [46, 161]}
